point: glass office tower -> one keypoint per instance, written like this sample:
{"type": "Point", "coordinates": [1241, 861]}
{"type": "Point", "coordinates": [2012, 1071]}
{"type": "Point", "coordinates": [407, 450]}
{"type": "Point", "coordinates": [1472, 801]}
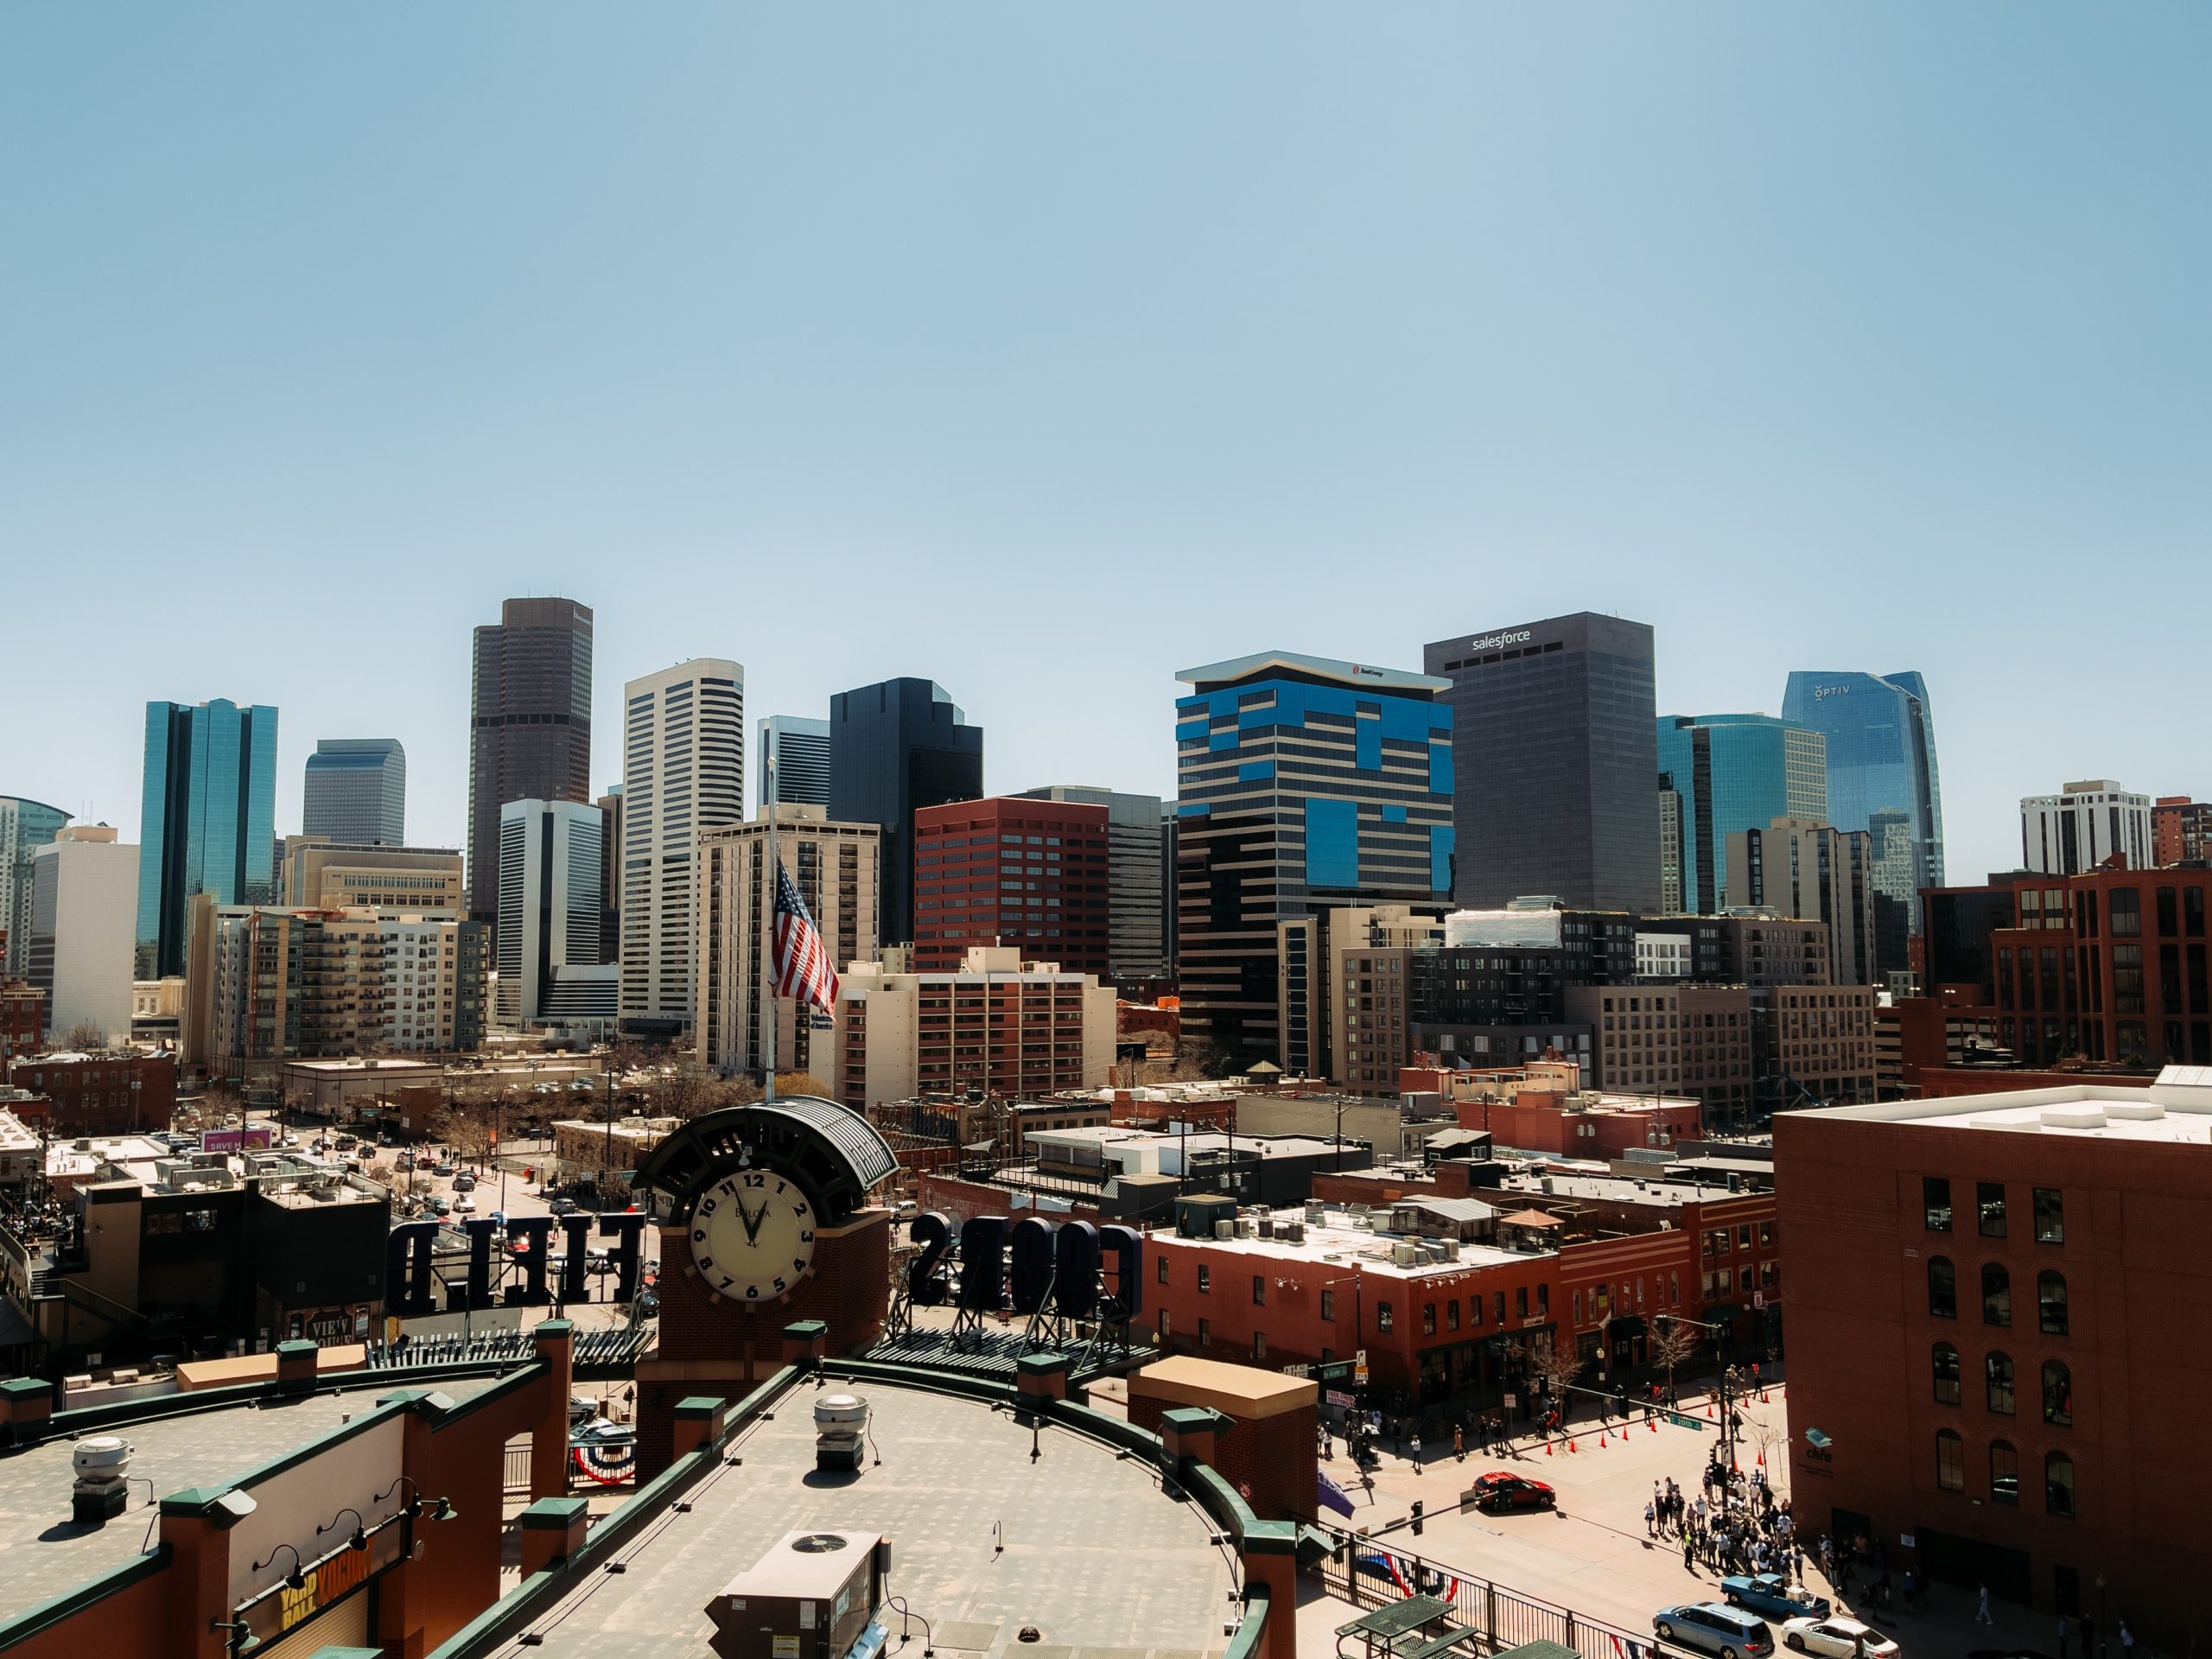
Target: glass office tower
{"type": "Point", "coordinates": [800, 748]}
{"type": "Point", "coordinates": [208, 820]}
{"type": "Point", "coordinates": [1881, 740]}
{"type": "Point", "coordinates": [355, 791]}
{"type": "Point", "coordinates": [25, 826]}
{"type": "Point", "coordinates": [529, 725]}
{"type": "Point", "coordinates": [893, 747]}
{"type": "Point", "coordinates": [1303, 782]}
{"type": "Point", "coordinates": [1553, 724]}
{"type": "Point", "coordinates": [1735, 772]}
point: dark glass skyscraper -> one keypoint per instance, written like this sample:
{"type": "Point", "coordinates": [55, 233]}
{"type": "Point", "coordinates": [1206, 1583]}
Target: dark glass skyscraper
{"type": "Point", "coordinates": [530, 731]}
{"type": "Point", "coordinates": [1553, 724]}
{"type": "Point", "coordinates": [355, 791]}
{"type": "Point", "coordinates": [895, 746]}
{"type": "Point", "coordinates": [208, 820]}
{"type": "Point", "coordinates": [1881, 757]}
{"type": "Point", "coordinates": [1302, 783]}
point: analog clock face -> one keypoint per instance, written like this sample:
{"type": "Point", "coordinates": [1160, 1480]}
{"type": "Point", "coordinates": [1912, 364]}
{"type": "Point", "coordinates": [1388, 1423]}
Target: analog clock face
{"type": "Point", "coordinates": [752, 1234]}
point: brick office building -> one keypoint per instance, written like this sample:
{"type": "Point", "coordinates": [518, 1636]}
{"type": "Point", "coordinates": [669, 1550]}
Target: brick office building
{"type": "Point", "coordinates": [101, 1094]}
{"type": "Point", "coordinates": [2001, 1357]}
{"type": "Point", "coordinates": [23, 1016]}
{"type": "Point", "coordinates": [1015, 871]}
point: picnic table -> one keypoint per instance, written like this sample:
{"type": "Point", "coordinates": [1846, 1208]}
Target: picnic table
{"type": "Point", "coordinates": [1384, 1631]}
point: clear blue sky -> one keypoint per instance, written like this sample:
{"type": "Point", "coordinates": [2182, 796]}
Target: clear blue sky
{"type": "Point", "coordinates": [1043, 350]}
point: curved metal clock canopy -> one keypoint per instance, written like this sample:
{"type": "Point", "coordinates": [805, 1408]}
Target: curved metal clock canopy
{"type": "Point", "coordinates": [834, 1153]}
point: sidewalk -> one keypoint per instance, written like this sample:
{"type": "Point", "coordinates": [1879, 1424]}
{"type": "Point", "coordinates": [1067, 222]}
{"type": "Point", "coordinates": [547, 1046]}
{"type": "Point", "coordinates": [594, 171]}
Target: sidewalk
{"type": "Point", "coordinates": [1592, 1555]}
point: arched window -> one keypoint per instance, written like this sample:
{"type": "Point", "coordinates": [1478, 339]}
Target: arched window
{"type": "Point", "coordinates": [1943, 1289]}
{"type": "Point", "coordinates": [2058, 1393]}
{"type": "Point", "coordinates": [2004, 1473]}
{"type": "Point", "coordinates": [2058, 1483]}
{"type": "Point", "coordinates": [1947, 1374]}
{"type": "Point", "coordinates": [1950, 1461]}
{"type": "Point", "coordinates": [1996, 1293]}
{"type": "Point", "coordinates": [1998, 1369]}
{"type": "Point", "coordinates": [2050, 1303]}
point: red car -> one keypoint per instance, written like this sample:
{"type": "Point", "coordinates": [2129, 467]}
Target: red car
{"type": "Point", "coordinates": [1502, 1490]}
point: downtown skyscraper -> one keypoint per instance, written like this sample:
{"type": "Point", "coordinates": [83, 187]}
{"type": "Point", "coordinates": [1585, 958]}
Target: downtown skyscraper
{"type": "Point", "coordinates": [208, 820]}
{"type": "Point", "coordinates": [1552, 725]}
{"type": "Point", "coordinates": [355, 791]}
{"type": "Point", "coordinates": [1302, 783]}
{"type": "Point", "coordinates": [1735, 772]}
{"type": "Point", "coordinates": [895, 747]}
{"type": "Point", "coordinates": [529, 725]}
{"type": "Point", "coordinates": [1881, 740]}
{"type": "Point", "coordinates": [682, 772]}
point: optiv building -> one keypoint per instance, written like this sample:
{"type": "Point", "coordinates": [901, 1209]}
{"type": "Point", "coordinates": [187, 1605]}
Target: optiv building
{"type": "Point", "coordinates": [1881, 765]}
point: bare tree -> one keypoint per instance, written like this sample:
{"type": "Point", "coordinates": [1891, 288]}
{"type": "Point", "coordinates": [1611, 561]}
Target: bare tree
{"type": "Point", "coordinates": [1672, 1344]}
{"type": "Point", "coordinates": [84, 1034]}
{"type": "Point", "coordinates": [1558, 1367]}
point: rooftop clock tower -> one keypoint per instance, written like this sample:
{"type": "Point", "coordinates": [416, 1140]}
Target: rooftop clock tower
{"type": "Point", "coordinates": [764, 1219]}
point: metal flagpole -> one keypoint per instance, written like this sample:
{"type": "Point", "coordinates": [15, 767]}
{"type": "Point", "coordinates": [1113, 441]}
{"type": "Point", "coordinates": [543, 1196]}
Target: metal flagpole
{"type": "Point", "coordinates": [768, 935]}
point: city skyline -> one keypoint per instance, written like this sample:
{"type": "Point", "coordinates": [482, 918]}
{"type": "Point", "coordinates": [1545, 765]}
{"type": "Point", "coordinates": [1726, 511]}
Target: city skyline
{"type": "Point", "coordinates": [1500, 299]}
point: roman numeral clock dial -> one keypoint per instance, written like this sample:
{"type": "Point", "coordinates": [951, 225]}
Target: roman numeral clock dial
{"type": "Point", "coordinates": [752, 1235]}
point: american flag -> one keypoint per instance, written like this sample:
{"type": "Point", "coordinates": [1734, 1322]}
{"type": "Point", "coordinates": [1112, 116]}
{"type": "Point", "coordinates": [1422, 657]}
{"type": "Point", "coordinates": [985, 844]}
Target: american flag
{"type": "Point", "coordinates": [803, 966]}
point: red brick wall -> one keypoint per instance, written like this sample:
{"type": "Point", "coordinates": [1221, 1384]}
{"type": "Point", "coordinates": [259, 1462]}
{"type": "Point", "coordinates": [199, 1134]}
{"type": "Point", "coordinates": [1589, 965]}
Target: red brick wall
{"type": "Point", "coordinates": [1270, 1461]}
{"type": "Point", "coordinates": [96, 1096]}
{"type": "Point", "coordinates": [1861, 1338]}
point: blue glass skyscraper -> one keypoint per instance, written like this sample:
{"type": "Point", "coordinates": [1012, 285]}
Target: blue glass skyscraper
{"type": "Point", "coordinates": [1303, 782]}
{"type": "Point", "coordinates": [207, 821]}
{"type": "Point", "coordinates": [1735, 772]}
{"type": "Point", "coordinates": [1881, 759]}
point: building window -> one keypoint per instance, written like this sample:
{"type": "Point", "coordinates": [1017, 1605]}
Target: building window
{"type": "Point", "coordinates": [1935, 1203]}
{"type": "Point", "coordinates": [1166, 1328]}
{"type": "Point", "coordinates": [1943, 1289]}
{"type": "Point", "coordinates": [2058, 1484]}
{"type": "Point", "coordinates": [1163, 1269]}
{"type": "Point", "coordinates": [1328, 1306]}
{"type": "Point", "coordinates": [1382, 1317]}
{"type": "Point", "coordinates": [1997, 1369]}
{"type": "Point", "coordinates": [1205, 1280]}
{"type": "Point", "coordinates": [1259, 1347]}
{"type": "Point", "coordinates": [2051, 1216]}
{"type": "Point", "coordinates": [1989, 1200]}
{"type": "Point", "coordinates": [1429, 1318]}
{"type": "Point", "coordinates": [1521, 1302]}
{"type": "Point", "coordinates": [1452, 1314]}
{"type": "Point", "coordinates": [2050, 1303]}
{"type": "Point", "coordinates": [1258, 1290]}
{"type": "Point", "coordinates": [1206, 1333]}
{"type": "Point", "coordinates": [1996, 1294]}
{"type": "Point", "coordinates": [1945, 1361]}
{"type": "Point", "coordinates": [1950, 1461]}
{"type": "Point", "coordinates": [2058, 1393]}
{"type": "Point", "coordinates": [2004, 1473]}
{"type": "Point", "coordinates": [2126, 912]}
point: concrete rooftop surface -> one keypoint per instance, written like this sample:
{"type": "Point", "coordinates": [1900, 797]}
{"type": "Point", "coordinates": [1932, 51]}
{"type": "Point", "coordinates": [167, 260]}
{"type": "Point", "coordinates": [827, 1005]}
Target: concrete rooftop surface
{"type": "Point", "coordinates": [1096, 1557]}
{"type": "Point", "coordinates": [44, 1552]}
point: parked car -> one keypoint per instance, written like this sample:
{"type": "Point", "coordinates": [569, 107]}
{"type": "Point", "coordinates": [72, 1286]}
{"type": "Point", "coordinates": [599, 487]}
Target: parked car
{"type": "Point", "coordinates": [464, 1183]}
{"type": "Point", "coordinates": [464, 1206]}
{"type": "Point", "coordinates": [441, 1206]}
{"type": "Point", "coordinates": [1713, 1627]}
{"type": "Point", "coordinates": [1837, 1638]}
{"type": "Point", "coordinates": [562, 1206]}
{"type": "Point", "coordinates": [1502, 1490]}
{"type": "Point", "coordinates": [598, 1261]}
{"type": "Point", "coordinates": [442, 1168]}
{"type": "Point", "coordinates": [1769, 1594]}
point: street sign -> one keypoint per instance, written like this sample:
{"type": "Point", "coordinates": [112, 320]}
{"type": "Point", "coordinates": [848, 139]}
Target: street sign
{"type": "Point", "coordinates": [1359, 1373]}
{"type": "Point", "coordinates": [1338, 1398]}
{"type": "Point", "coordinates": [1512, 1400]}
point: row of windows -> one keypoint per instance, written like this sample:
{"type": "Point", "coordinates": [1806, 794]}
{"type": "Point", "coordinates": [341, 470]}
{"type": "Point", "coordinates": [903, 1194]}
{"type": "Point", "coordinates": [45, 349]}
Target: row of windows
{"type": "Point", "coordinates": [1991, 1215]}
{"type": "Point", "coordinates": [2052, 1315]}
{"type": "Point", "coordinates": [2004, 1473]}
{"type": "Point", "coordinates": [1998, 1383]}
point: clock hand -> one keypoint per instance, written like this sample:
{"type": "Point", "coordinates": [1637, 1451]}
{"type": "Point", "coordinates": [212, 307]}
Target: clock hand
{"type": "Point", "coordinates": [751, 1222]}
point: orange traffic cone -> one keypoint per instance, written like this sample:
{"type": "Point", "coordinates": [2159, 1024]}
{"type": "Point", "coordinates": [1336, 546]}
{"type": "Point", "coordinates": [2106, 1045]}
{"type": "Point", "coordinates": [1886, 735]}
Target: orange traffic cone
{"type": "Point", "coordinates": [1761, 1396]}
{"type": "Point", "coordinates": [1708, 1408]}
{"type": "Point", "coordinates": [1652, 1423]}
{"type": "Point", "coordinates": [1570, 1446]}
{"type": "Point", "coordinates": [1761, 1459]}
{"type": "Point", "coordinates": [1547, 1448]}
{"type": "Point", "coordinates": [1602, 1437]}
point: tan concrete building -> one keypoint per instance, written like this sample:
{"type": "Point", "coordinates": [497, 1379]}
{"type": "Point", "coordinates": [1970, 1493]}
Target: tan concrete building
{"type": "Point", "coordinates": [1687, 1040]}
{"type": "Point", "coordinates": [583, 1149]}
{"type": "Point", "coordinates": [836, 868]}
{"type": "Point", "coordinates": [999, 1024]}
{"type": "Point", "coordinates": [323, 874]}
{"type": "Point", "coordinates": [1823, 1043]}
{"type": "Point", "coordinates": [1341, 982]}
{"type": "Point", "coordinates": [1804, 869]}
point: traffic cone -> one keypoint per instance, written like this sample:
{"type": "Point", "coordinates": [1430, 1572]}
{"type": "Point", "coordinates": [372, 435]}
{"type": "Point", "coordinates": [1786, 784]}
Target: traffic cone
{"type": "Point", "coordinates": [1708, 1408]}
{"type": "Point", "coordinates": [1761, 1396]}
{"type": "Point", "coordinates": [1652, 1423]}
{"type": "Point", "coordinates": [1570, 1446]}
{"type": "Point", "coordinates": [1761, 1459]}
{"type": "Point", "coordinates": [1548, 1445]}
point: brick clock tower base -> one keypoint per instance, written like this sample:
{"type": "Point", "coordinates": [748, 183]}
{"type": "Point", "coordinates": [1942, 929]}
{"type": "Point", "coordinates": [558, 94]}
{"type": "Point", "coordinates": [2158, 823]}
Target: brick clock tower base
{"type": "Point", "coordinates": [712, 1346]}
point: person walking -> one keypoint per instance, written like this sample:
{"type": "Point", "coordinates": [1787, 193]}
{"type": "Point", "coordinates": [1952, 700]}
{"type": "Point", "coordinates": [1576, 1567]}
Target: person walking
{"type": "Point", "coordinates": [1460, 1442]}
{"type": "Point", "coordinates": [1416, 1446]}
{"type": "Point", "coordinates": [1651, 1518]}
{"type": "Point", "coordinates": [2065, 1633]}
{"type": "Point", "coordinates": [1690, 1551]}
{"type": "Point", "coordinates": [2126, 1639]}
{"type": "Point", "coordinates": [1981, 1611]}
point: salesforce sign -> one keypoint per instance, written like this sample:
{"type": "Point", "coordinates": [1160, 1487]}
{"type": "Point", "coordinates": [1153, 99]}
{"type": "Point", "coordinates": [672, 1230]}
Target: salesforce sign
{"type": "Point", "coordinates": [1492, 641]}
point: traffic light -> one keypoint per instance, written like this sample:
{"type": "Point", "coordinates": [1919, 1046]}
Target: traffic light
{"type": "Point", "coordinates": [1416, 1517]}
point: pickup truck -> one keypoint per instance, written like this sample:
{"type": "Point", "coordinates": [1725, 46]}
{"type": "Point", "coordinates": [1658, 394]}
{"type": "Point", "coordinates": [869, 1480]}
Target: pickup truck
{"type": "Point", "coordinates": [1770, 1594]}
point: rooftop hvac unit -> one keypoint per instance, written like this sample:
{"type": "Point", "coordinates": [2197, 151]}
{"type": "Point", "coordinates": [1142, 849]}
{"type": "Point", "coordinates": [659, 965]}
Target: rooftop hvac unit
{"type": "Point", "coordinates": [1245, 1227]}
{"type": "Point", "coordinates": [811, 1596]}
{"type": "Point", "coordinates": [1451, 1249]}
{"type": "Point", "coordinates": [1316, 1212]}
{"type": "Point", "coordinates": [1267, 1226]}
{"type": "Point", "coordinates": [1404, 1253]}
{"type": "Point", "coordinates": [1295, 1231]}
{"type": "Point", "coordinates": [1224, 1230]}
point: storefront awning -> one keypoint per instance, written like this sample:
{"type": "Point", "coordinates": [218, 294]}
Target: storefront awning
{"type": "Point", "coordinates": [1627, 1324]}
{"type": "Point", "coordinates": [1722, 1310]}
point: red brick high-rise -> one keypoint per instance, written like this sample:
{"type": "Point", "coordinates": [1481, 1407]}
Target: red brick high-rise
{"type": "Point", "coordinates": [1015, 871]}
